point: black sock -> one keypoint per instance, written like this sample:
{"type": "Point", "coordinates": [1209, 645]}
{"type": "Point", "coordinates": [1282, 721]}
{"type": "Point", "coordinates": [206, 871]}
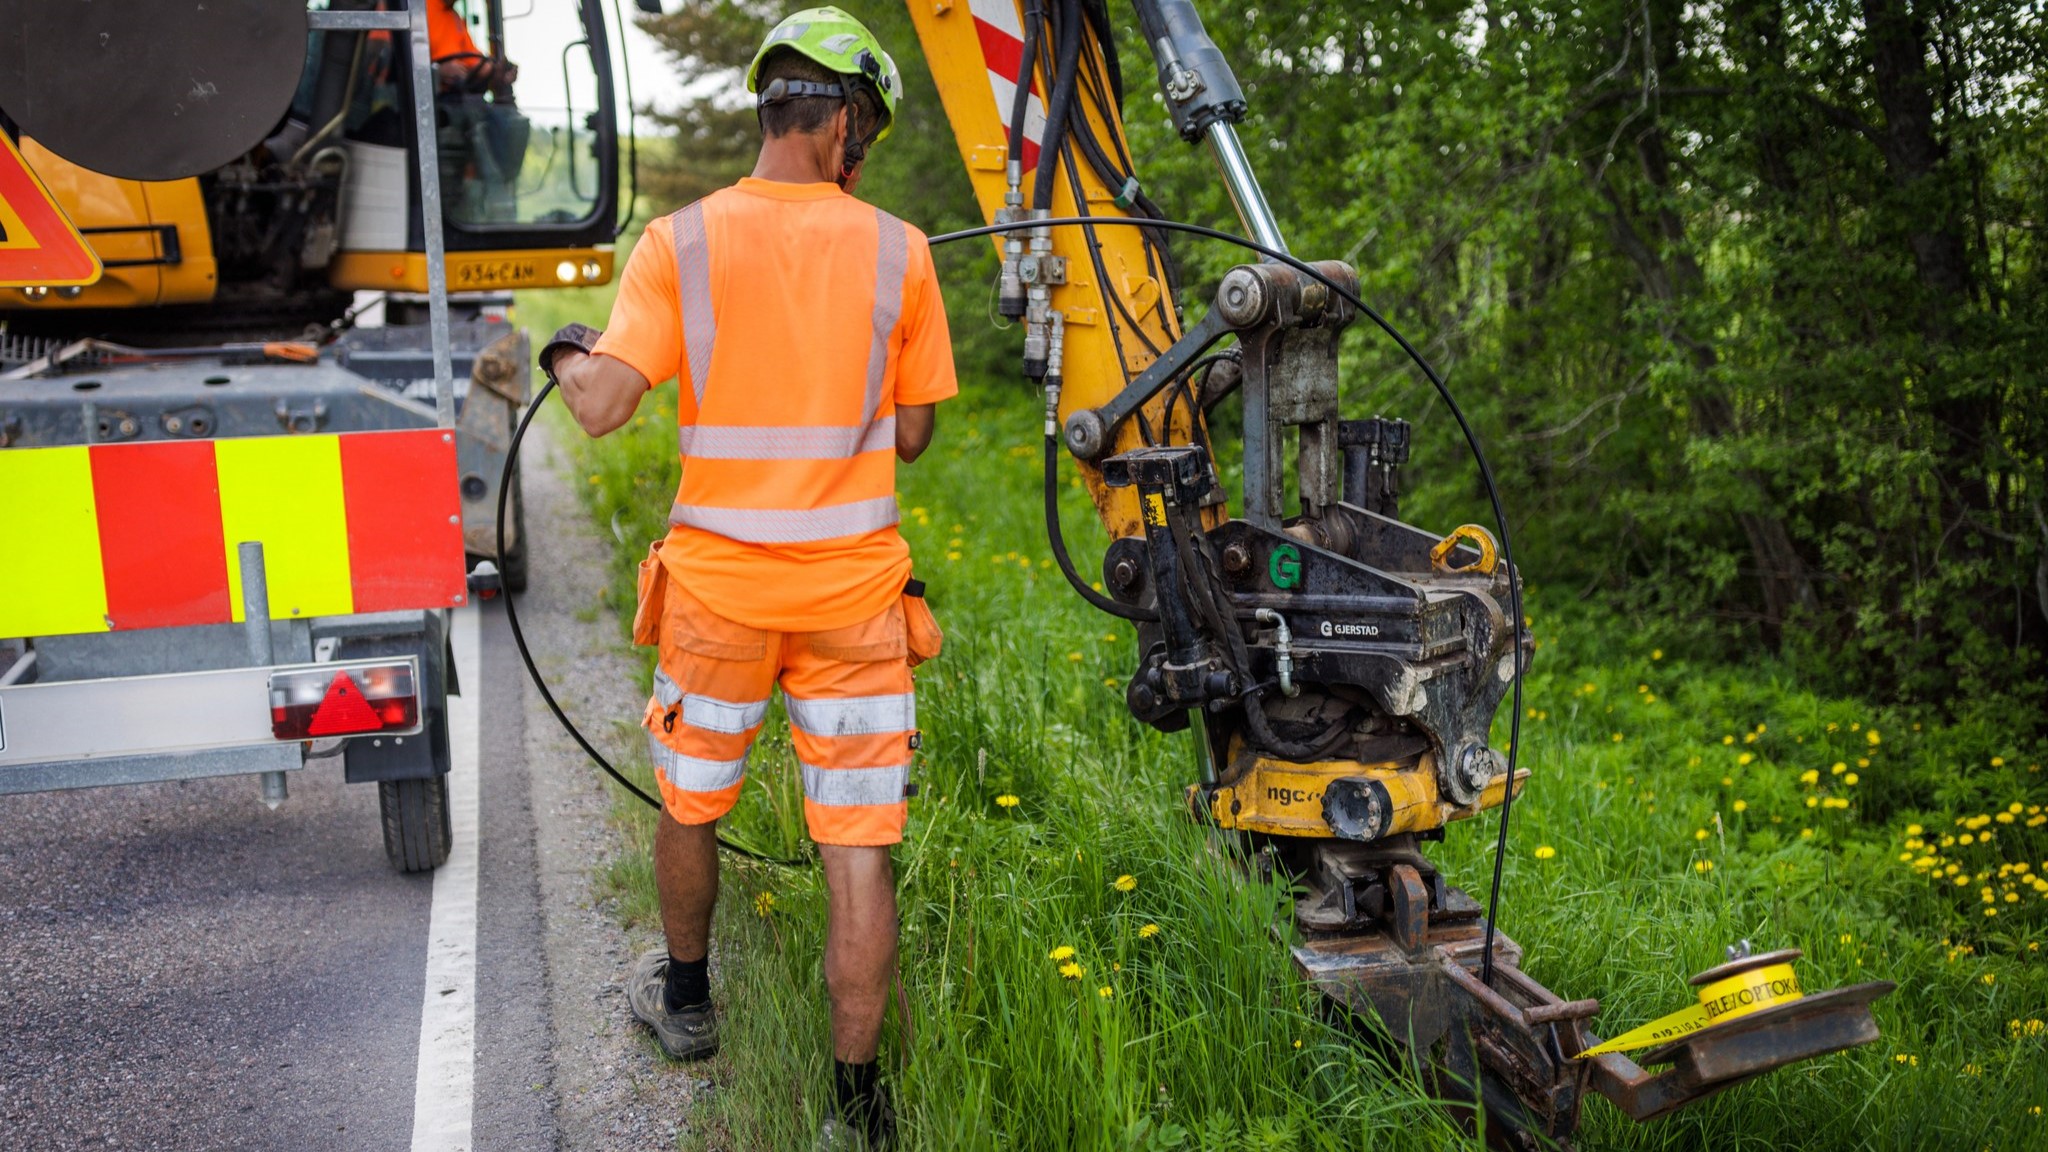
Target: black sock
{"type": "Point", "coordinates": [689, 983]}
{"type": "Point", "coordinates": [860, 1097]}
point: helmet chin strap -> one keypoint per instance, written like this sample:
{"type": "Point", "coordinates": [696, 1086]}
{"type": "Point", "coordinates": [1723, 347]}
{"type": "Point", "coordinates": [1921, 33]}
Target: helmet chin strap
{"type": "Point", "coordinates": [857, 143]}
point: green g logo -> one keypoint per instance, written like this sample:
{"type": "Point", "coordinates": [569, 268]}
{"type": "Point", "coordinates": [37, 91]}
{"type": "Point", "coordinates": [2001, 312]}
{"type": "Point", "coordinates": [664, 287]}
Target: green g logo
{"type": "Point", "coordinates": [1285, 567]}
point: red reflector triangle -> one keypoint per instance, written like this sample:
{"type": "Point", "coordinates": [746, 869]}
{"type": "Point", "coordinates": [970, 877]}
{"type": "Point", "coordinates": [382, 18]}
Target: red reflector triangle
{"type": "Point", "coordinates": [343, 709]}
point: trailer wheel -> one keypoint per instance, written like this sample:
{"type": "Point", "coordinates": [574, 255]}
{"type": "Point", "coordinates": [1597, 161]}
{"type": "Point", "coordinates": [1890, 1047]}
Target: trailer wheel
{"type": "Point", "coordinates": [417, 834]}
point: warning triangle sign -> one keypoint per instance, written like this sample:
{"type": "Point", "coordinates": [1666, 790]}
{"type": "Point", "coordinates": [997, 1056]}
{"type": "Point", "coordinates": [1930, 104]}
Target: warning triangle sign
{"type": "Point", "coordinates": [343, 709]}
{"type": "Point", "coordinates": [38, 245]}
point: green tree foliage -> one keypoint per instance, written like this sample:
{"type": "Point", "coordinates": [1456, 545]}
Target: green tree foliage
{"type": "Point", "coordinates": [1746, 297]}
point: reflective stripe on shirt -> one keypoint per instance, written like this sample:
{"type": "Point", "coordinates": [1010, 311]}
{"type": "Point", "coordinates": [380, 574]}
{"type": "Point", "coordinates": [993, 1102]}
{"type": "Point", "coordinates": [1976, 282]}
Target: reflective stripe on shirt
{"type": "Point", "coordinates": [789, 526]}
{"type": "Point", "coordinates": [800, 442]}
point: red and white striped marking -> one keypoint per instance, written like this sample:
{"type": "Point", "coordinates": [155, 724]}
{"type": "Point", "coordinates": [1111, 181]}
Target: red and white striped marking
{"type": "Point", "coordinates": [1001, 30]}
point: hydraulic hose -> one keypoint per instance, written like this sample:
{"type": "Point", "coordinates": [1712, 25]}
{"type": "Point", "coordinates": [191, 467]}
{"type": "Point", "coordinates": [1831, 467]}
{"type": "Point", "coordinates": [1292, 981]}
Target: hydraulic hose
{"type": "Point", "coordinates": [1020, 101]}
{"type": "Point", "coordinates": [533, 672]}
{"type": "Point", "coordinates": [1066, 83]}
{"type": "Point", "coordinates": [1058, 540]}
{"type": "Point", "coordinates": [1443, 391]}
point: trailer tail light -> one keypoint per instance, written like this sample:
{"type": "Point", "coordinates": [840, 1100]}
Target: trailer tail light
{"type": "Point", "coordinates": [354, 699]}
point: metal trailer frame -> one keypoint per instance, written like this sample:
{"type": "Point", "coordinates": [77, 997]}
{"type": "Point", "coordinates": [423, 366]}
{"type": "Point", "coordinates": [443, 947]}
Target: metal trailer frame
{"type": "Point", "coordinates": [189, 702]}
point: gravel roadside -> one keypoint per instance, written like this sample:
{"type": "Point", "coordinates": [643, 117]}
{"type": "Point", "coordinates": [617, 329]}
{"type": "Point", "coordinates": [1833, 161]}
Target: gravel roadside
{"type": "Point", "coordinates": [614, 1091]}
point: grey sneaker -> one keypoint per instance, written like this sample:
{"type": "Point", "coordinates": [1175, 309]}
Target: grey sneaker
{"type": "Point", "coordinates": [836, 1135]}
{"type": "Point", "coordinates": [691, 1034]}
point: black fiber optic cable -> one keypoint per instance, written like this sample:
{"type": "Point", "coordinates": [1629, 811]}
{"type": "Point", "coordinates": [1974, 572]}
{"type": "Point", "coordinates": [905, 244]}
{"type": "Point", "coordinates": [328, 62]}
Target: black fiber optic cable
{"type": "Point", "coordinates": [533, 672]}
{"type": "Point", "coordinates": [1517, 629]}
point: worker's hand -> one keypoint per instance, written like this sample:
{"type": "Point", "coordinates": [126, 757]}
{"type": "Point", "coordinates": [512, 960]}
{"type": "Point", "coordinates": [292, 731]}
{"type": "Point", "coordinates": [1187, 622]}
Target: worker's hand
{"type": "Point", "coordinates": [567, 338]}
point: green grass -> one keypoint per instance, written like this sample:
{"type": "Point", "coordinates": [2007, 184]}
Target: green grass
{"type": "Point", "coordinates": [1660, 843]}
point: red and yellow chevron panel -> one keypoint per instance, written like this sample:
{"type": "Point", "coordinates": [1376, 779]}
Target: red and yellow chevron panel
{"type": "Point", "coordinates": [114, 537]}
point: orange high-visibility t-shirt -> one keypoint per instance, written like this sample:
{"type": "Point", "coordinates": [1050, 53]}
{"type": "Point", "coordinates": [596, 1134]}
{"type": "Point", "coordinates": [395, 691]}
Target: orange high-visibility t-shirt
{"type": "Point", "coordinates": [447, 33]}
{"type": "Point", "coordinates": [791, 428]}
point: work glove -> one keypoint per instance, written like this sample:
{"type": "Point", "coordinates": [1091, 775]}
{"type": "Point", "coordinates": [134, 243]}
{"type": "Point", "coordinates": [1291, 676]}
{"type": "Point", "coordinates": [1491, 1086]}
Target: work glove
{"type": "Point", "coordinates": [581, 337]}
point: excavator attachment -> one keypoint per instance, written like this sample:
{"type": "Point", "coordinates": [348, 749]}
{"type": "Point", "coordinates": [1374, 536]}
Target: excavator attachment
{"type": "Point", "coordinates": [1411, 961]}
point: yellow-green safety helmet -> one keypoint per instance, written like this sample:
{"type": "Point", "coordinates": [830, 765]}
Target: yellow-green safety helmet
{"type": "Point", "coordinates": [835, 39]}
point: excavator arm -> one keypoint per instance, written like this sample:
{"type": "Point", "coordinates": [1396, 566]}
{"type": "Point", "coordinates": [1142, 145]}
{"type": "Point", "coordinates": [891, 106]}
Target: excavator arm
{"type": "Point", "coordinates": [1339, 669]}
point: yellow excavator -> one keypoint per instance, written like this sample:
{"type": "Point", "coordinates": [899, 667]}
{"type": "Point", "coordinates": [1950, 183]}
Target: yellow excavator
{"type": "Point", "coordinates": [1338, 669]}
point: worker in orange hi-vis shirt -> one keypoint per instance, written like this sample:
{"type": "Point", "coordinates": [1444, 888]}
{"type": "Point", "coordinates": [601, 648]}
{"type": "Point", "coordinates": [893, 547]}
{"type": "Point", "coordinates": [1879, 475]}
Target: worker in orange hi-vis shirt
{"type": "Point", "coordinates": [809, 343]}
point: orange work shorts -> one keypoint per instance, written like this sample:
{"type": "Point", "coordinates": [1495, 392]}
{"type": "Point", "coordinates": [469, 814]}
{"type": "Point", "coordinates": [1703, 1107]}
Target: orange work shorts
{"type": "Point", "coordinates": [851, 702]}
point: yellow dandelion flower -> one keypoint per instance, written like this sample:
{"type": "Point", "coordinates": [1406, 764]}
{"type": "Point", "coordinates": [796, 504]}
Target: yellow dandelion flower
{"type": "Point", "coordinates": [1745, 758]}
{"type": "Point", "coordinates": [1749, 737]}
{"type": "Point", "coordinates": [1998, 761]}
{"type": "Point", "coordinates": [1063, 952]}
{"type": "Point", "coordinates": [1838, 768]}
{"type": "Point", "coordinates": [1074, 657]}
{"type": "Point", "coordinates": [1856, 726]}
{"type": "Point", "coordinates": [1126, 883]}
{"type": "Point", "coordinates": [1966, 839]}
{"type": "Point", "coordinates": [1810, 776]}
{"type": "Point", "coordinates": [1656, 653]}
{"type": "Point", "coordinates": [1617, 737]}
{"type": "Point", "coordinates": [1727, 739]}
{"type": "Point", "coordinates": [764, 903]}
{"type": "Point", "coordinates": [1873, 737]}
{"type": "Point", "coordinates": [952, 556]}
{"type": "Point", "coordinates": [2004, 817]}
{"type": "Point", "coordinates": [1642, 688]}
{"type": "Point", "coordinates": [1105, 992]}
{"type": "Point", "coordinates": [1007, 801]}
{"type": "Point", "coordinates": [1072, 971]}
{"type": "Point", "coordinates": [1915, 830]}
{"type": "Point", "coordinates": [596, 479]}
{"type": "Point", "coordinates": [1148, 931]}
{"type": "Point", "coordinates": [1740, 805]}
{"type": "Point", "coordinates": [1703, 865]}
{"type": "Point", "coordinates": [1297, 1044]}
{"type": "Point", "coordinates": [1545, 851]}
{"type": "Point", "coordinates": [1727, 781]}
{"type": "Point", "coordinates": [1806, 833]}
{"type": "Point", "coordinates": [1863, 761]}
{"type": "Point", "coordinates": [1761, 728]}
{"type": "Point", "coordinates": [1699, 834]}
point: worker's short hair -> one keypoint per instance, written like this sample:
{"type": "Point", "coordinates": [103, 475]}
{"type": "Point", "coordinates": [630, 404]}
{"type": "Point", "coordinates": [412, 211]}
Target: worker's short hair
{"type": "Point", "coordinates": [806, 114]}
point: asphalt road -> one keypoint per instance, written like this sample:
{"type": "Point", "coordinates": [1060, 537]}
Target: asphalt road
{"type": "Point", "coordinates": [182, 968]}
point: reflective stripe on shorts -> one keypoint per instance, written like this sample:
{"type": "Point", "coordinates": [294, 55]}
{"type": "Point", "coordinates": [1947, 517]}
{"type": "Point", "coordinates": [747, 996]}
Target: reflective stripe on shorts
{"type": "Point", "coordinates": [708, 712]}
{"type": "Point", "coordinates": [854, 715]}
{"type": "Point", "coordinates": [855, 787]}
{"type": "Point", "coordinates": [691, 774]}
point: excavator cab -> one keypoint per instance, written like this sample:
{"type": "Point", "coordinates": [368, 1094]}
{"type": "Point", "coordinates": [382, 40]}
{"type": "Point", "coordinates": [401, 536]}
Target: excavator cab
{"type": "Point", "coordinates": [327, 202]}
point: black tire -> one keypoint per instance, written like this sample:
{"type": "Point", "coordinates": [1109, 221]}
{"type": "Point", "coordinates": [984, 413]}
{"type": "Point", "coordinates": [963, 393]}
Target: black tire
{"type": "Point", "coordinates": [417, 834]}
{"type": "Point", "coordinates": [515, 557]}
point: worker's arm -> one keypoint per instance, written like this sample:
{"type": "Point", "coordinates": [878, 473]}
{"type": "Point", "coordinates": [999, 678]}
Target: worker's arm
{"type": "Point", "coordinates": [603, 391]}
{"type": "Point", "coordinates": [914, 424]}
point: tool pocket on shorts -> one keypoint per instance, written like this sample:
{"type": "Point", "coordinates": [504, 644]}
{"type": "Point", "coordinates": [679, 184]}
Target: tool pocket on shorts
{"type": "Point", "coordinates": [921, 629]}
{"type": "Point", "coordinates": [880, 637]}
{"type": "Point", "coordinates": [653, 591]}
{"type": "Point", "coordinates": [694, 628]}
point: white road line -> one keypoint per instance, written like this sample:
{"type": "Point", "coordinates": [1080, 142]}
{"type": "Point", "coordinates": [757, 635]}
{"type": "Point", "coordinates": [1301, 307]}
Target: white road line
{"type": "Point", "coordinates": [444, 1090]}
